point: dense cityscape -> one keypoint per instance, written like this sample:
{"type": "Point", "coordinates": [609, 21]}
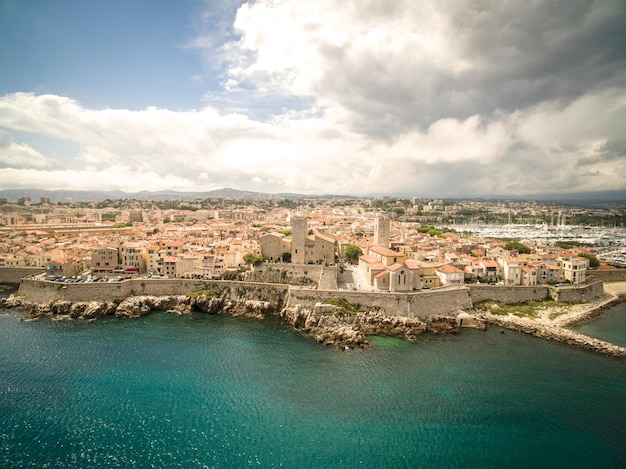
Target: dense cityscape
{"type": "Point", "coordinates": [436, 242]}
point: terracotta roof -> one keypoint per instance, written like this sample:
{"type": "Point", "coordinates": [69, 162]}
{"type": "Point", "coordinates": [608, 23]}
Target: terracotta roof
{"type": "Point", "coordinates": [369, 259]}
{"type": "Point", "coordinates": [384, 251]}
{"type": "Point", "coordinates": [449, 269]}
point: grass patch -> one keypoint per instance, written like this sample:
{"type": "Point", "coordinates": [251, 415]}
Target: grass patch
{"type": "Point", "coordinates": [345, 305]}
{"type": "Point", "coordinates": [530, 309]}
{"type": "Point", "coordinates": [208, 293]}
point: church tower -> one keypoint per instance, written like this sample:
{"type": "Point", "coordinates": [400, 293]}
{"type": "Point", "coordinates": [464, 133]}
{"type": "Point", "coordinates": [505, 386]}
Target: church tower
{"type": "Point", "coordinates": [298, 240]}
{"type": "Point", "coordinates": [381, 231]}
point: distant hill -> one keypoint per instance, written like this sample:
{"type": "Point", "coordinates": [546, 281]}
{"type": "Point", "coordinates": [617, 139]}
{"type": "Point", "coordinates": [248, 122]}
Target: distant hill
{"type": "Point", "coordinates": [97, 196]}
{"type": "Point", "coordinates": [579, 198]}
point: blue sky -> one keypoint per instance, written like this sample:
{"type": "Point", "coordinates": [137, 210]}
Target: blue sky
{"type": "Point", "coordinates": [362, 97]}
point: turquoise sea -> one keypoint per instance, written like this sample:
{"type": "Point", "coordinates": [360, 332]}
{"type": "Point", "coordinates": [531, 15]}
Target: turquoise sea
{"type": "Point", "coordinates": [211, 391]}
{"type": "Point", "coordinates": [609, 326]}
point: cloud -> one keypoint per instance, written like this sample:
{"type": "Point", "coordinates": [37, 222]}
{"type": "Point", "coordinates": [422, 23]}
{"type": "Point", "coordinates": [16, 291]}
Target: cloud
{"type": "Point", "coordinates": [356, 97]}
{"type": "Point", "coordinates": [15, 155]}
{"type": "Point", "coordinates": [539, 149]}
{"type": "Point", "coordinates": [390, 69]}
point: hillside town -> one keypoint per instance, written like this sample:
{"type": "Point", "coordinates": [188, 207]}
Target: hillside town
{"type": "Point", "coordinates": [378, 244]}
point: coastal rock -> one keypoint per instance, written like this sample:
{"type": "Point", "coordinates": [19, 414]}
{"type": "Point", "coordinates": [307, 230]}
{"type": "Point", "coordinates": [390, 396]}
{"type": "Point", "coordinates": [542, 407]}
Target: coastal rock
{"type": "Point", "coordinates": [92, 310]}
{"type": "Point", "coordinates": [464, 319]}
{"type": "Point", "coordinates": [332, 327]}
{"type": "Point", "coordinates": [555, 333]}
{"type": "Point", "coordinates": [133, 307]}
{"type": "Point", "coordinates": [13, 301]}
{"type": "Point", "coordinates": [443, 325]}
{"type": "Point", "coordinates": [208, 305]}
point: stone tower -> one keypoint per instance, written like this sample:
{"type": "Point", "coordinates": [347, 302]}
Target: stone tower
{"type": "Point", "coordinates": [381, 231]}
{"type": "Point", "coordinates": [298, 240]}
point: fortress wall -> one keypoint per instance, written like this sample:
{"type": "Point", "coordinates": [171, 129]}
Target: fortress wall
{"type": "Point", "coordinates": [287, 273]}
{"type": "Point", "coordinates": [613, 275]}
{"type": "Point", "coordinates": [13, 275]}
{"type": "Point", "coordinates": [508, 295]}
{"type": "Point", "coordinates": [41, 291]}
{"type": "Point", "coordinates": [580, 294]}
{"type": "Point", "coordinates": [417, 305]}
{"type": "Point", "coordinates": [421, 304]}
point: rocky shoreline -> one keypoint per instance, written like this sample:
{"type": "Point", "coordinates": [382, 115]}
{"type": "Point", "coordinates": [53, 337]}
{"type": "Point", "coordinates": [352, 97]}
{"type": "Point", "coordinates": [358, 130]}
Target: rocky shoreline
{"type": "Point", "coordinates": [326, 324]}
{"type": "Point", "coordinates": [334, 326]}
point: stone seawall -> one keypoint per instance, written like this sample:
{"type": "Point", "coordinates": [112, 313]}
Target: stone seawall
{"type": "Point", "coordinates": [415, 304]}
{"type": "Point", "coordinates": [579, 294]}
{"type": "Point", "coordinates": [508, 295]}
{"type": "Point", "coordinates": [41, 291]}
{"type": "Point", "coordinates": [13, 275]}
{"type": "Point", "coordinates": [612, 275]}
{"type": "Point", "coordinates": [292, 274]}
{"type": "Point", "coordinates": [412, 305]}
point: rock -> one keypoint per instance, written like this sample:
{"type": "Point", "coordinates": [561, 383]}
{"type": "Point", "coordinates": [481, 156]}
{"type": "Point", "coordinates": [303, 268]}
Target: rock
{"type": "Point", "coordinates": [464, 319]}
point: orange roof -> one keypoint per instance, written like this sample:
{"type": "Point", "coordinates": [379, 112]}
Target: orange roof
{"type": "Point", "coordinates": [384, 251]}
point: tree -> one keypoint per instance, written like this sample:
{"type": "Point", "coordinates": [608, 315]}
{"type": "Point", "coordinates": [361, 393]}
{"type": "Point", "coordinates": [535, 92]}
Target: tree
{"type": "Point", "coordinates": [593, 260]}
{"type": "Point", "coordinates": [253, 259]}
{"type": "Point", "coordinates": [286, 256]}
{"type": "Point", "coordinates": [517, 246]}
{"type": "Point", "coordinates": [353, 253]}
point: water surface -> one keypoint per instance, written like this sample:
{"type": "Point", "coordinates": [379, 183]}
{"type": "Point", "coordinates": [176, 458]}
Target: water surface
{"type": "Point", "coordinates": [206, 391]}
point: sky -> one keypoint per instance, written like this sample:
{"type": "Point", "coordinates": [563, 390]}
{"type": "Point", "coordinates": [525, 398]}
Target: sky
{"type": "Point", "coordinates": [428, 98]}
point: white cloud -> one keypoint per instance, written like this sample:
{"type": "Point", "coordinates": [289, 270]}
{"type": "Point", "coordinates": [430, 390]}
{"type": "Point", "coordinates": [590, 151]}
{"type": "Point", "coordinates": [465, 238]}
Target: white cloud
{"type": "Point", "coordinates": [537, 149]}
{"type": "Point", "coordinates": [19, 155]}
{"type": "Point", "coordinates": [361, 97]}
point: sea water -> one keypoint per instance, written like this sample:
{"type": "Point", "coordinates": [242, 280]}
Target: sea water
{"type": "Point", "coordinates": [609, 326]}
{"type": "Point", "coordinates": [212, 391]}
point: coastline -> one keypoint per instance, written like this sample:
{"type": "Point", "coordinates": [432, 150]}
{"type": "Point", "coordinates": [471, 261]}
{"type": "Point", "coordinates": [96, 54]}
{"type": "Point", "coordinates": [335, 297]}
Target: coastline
{"type": "Point", "coordinates": [552, 323]}
{"type": "Point", "coordinates": [335, 326]}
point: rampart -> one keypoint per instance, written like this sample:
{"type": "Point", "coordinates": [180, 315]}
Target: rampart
{"type": "Point", "coordinates": [420, 305]}
{"type": "Point", "coordinates": [508, 294]}
{"type": "Point", "coordinates": [611, 275]}
{"type": "Point", "coordinates": [293, 274]}
{"type": "Point", "coordinates": [414, 305]}
{"type": "Point", "coordinates": [41, 291]}
{"type": "Point", "coordinates": [578, 294]}
{"type": "Point", "coordinates": [13, 275]}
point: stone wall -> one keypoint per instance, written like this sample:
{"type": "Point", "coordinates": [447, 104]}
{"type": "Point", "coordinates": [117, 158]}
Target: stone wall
{"type": "Point", "coordinates": [292, 274]}
{"type": "Point", "coordinates": [508, 295]}
{"type": "Point", "coordinates": [13, 275]}
{"type": "Point", "coordinates": [41, 291]}
{"type": "Point", "coordinates": [421, 304]}
{"type": "Point", "coordinates": [579, 294]}
{"type": "Point", "coordinates": [613, 275]}
{"type": "Point", "coordinates": [413, 305]}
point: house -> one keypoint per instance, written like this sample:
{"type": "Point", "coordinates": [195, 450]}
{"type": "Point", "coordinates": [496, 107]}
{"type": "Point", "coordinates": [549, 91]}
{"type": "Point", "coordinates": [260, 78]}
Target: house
{"type": "Point", "coordinates": [490, 270]}
{"type": "Point", "coordinates": [105, 260]}
{"type": "Point", "coordinates": [574, 269]}
{"type": "Point", "coordinates": [450, 275]}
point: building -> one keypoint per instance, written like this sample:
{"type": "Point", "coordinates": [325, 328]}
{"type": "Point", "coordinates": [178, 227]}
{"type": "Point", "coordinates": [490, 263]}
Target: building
{"type": "Point", "coordinates": [381, 231]}
{"type": "Point", "coordinates": [105, 260]}
{"type": "Point", "coordinates": [318, 249]}
{"type": "Point", "coordinates": [574, 269]}
{"type": "Point", "coordinates": [298, 240]}
{"type": "Point", "coordinates": [274, 246]}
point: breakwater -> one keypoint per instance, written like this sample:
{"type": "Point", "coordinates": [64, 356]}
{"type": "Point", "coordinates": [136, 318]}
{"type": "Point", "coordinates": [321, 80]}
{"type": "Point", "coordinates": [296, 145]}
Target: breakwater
{"type": "Point", "coordinates": [555, 333]}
